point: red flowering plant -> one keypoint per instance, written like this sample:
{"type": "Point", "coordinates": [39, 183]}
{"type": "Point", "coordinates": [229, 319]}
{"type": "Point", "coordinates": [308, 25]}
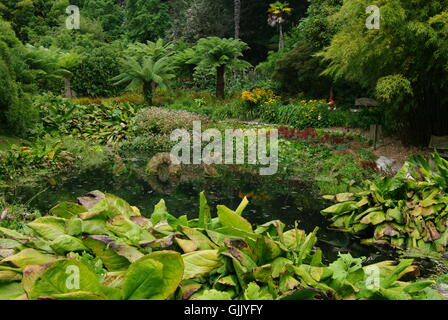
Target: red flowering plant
{"type": "Point", "coordinates": [312, 136]}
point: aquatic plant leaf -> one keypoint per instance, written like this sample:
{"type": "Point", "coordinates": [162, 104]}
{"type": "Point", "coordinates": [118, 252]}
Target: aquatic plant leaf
{"type": "Point", "coordinates": [231, 219]}
{"type": "Point", "coordinates": [267, 250]}
{"type": "Point", "coordinates": [143, 280]}
{"type": "Point", "coordinates": [155, 276]}
{"type": "Point", "coordinates": [11, 291]}
{"type": "Point", "coordinates": [67, 209]}
{"type": "Point", "coordinates": [343, 197]}
{"type": "Point", "coordinates": [186, 245]}
{"type": "Point", "coordinates": [374, 218]}
{"type": "Point", "coordinates": [113, 279]}
{"type": "Point", "coordinates": [91, 199]}
{"type": "Point", "coordinates": [200, 240]}
{"type": "Point", "coordinates": [112, 206]}
{"type": "Point", "coordinates": [397, 273]}
{"type": "Point", "coordinates": [242, 206]}
{"type": "Point", "coordinates": [9, 244]}
{"type": "Point", "coordinates": [73, 227]}
{"type": "Point", "coordinates": [254, 292]}
{"type": "Point", "coordinates": [100, 245]}
{"type": "Point", "coordinates": [160, 213]}
{"type": "Point", "coordinates": [13, 234]}
{"type": "Point", "coordinates": [61, 277]}
{"type": "Point", "coordinates": [204, 212]}
{"type": "Point", "coordinates": [345, 265]}
{"type": "Point", "coordinates": [187, 288]}
{"type": "Point", "coordinates": [288, 283]}
{"type": "Point", "coordinates": [340, 208]}
{"type": "Point", "coordinates": [211, 294]}
{"type": "Point", "coordinates": [94, 227]}
{"type": "Point", "coordinates": [123, 227]}
{"type": "Point", "coordinates": [29, 256]}
{"type": "Point", "coordinates": [8, 276]}
{"type": "Point", "coordinates": [200, 263]}
{"type": "Point", "coordinates": [77, 295]}
{"type": "Point", "coordinates": [65, 243]}
{"type": "Point", "coordinates": [49, 228]}
{"type": "Point", "coordinates": [303, 294]}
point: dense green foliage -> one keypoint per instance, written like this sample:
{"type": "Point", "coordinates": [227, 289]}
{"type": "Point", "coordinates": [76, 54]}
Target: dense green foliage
{"type": "Point", "coordinates": [134, 71]}
{"type": "Point", "coordinates": [103, 248]}
{"type": "Point", "coordinates": [400, 62]}
{"type": "Point", "coordinates": [408, 210]}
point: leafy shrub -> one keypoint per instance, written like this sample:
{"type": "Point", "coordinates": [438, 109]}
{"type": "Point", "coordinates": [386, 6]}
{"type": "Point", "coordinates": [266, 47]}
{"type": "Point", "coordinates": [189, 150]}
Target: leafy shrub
{"type": "Point", "coordinates": [120, 254]}
{"type": "Point", "coordinates": [15, 216]}
{"type": "Point", "coordinates": [163, 121]}
{"type": "Point", "coordinates": [408, 210]}
{"type": "Point", "coordinates": [19, 160]}
{"type": "Point", "coordinates": [147, 144]}
{"type": "Point", "coordinates": [305, 114]}
{"type": "Point", "coordinates": [103, 123]}
{"type": "Point", "coordinates": [92, 77]}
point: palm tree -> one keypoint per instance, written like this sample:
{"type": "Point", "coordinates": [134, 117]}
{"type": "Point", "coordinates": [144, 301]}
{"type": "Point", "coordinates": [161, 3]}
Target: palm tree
{"type": "Point", "coordinates": [185, 61]}
{"type": "Point", "coordinates": [278, 11]}
{"type": "Point", "coordinates": [147, 75]}
{"type": "Point", "coordinates": [237, 17]}
{"type": "Point", "coordinates": [219, 54]}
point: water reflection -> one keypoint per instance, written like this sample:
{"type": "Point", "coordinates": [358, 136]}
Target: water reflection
{"type": "Point", "coordinates": [270, 198]}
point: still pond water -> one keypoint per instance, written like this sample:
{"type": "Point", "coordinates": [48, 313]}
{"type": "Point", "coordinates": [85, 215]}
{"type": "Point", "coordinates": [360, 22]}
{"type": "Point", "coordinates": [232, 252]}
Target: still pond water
{"type": "Point", "coordinates": [269, 199]}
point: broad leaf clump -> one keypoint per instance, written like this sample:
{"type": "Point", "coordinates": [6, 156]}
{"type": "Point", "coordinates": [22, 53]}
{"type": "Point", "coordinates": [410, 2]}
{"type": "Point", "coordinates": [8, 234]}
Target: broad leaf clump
{"type": "Point", "coordinates": [103, 248]}
{"type": "Point", "coordinates": [409, 210]}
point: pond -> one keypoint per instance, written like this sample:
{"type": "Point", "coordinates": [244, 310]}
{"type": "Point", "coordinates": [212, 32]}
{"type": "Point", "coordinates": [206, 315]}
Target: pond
{"type": "Point", "coordinates": [270, 198]}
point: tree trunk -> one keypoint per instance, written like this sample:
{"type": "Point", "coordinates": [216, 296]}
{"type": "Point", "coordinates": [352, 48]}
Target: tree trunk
{"type": "Point", "coordinates": [237, 17]}
{"type": "Point", "coordinates": [147, 92]}
{"type": "Point", "coordinates": [67, 84]}
{"type": "Point", "coordinates": [220, 72]}
{"type": "Point", "coordinates": [281, 41]}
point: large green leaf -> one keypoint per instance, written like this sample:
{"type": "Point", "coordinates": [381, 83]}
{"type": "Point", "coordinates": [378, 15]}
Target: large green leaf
{"type": "Point", "coordinates": [100, 245]}
{"type": "Point", "coordinates": [67, 209]}
{"type": "Point", "coordinates": [143, 280]}
{"type": "Point", "coordinates": [61, 277]}
{"type": "Point", "coordinates": [231, 219]}
{"type": "Point", "coordinates": [201, 241]}
{"type": "Point", "coordinates": [29, 257]}
{"type": "Point", "coordinates": [340, 208]}
{"type": "Point", "coordinates": [200, 263]}
{"type": "Point", "coordinates": [111, 206]}
{"type": "Point", "coordinates": [204, 212]}
{"type": "Point", "coordinates": [123, 227]}
{"type": "Point", "coordinates": [49, 228]}
{"type": "Point", "coordinates": [65, 243]}
{"type": "Point", "coordinates": [11, 291]}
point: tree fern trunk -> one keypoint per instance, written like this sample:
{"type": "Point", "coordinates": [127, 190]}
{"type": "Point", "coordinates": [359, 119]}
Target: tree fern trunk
{"type": "Point", "coordinates": [147, 92]}
{"type": "Point", "coordinates": [220, 72]}
{"type": "Point", "coordinates": [68, 89]}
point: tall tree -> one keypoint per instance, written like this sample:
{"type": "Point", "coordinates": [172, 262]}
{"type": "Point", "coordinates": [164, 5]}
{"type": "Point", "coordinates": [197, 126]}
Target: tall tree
{"type": "Point", "coordinates": [146, 76]}
{"type": "Point", "coordinates": [220, 54]}
{"type": "Point", "coordinates": [146, 19]}
{"type": "Point", "coordinates": [237, 18]}
{"type": "Point", "coordinates": [278, 12]}
{"type": "Point", "coordinates": [404, 62]}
